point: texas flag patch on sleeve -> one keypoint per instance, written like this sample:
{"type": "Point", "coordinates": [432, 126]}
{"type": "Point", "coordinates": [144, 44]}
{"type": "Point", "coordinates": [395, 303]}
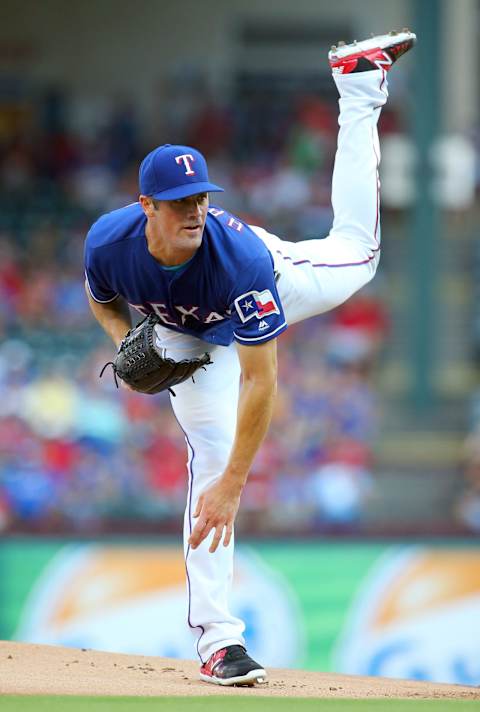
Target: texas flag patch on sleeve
{"type": "Point", "coordinates": [256, 304]}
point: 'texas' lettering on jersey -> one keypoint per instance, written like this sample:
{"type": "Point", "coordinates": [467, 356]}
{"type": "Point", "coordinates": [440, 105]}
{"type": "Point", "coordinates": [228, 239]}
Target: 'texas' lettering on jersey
{"type": "Point", "coordinates": [248, 305]}
{"type": "Point", "coordinates": [183, 313]}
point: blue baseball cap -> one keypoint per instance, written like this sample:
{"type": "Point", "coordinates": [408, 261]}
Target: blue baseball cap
{"type": "Point", "coordinates": [170, 172]}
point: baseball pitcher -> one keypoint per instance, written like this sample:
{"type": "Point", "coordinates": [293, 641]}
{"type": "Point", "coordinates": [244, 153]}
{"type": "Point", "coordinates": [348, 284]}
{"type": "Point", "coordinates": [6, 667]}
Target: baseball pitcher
{"type": "Point", "coordinates": [215, 294]}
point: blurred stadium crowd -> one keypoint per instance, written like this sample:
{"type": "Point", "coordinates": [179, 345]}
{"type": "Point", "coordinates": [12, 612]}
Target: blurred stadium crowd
{"type": "Point", "coordinates": [75, 453]}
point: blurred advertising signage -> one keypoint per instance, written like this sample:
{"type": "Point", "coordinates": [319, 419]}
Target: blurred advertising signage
{"type": "Point", "coordinates": [417, 616]}
{"type": "Point", "coordinates": [132, 599]}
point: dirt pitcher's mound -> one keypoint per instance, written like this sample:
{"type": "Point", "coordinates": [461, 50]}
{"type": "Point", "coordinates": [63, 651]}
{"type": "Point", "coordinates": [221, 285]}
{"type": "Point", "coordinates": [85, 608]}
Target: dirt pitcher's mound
{"type": "Point", "coordinates": [28, 669]}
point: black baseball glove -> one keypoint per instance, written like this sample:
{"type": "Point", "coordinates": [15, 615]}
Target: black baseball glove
{"type": "Point", "coordinates": [140, 365]}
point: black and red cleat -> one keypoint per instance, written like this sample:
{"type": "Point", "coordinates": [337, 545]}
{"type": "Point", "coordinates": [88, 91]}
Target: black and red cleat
{"type": "Point", "coordinates": [232, 666]}
{"type": "Point", "coordinates": [379, 52]}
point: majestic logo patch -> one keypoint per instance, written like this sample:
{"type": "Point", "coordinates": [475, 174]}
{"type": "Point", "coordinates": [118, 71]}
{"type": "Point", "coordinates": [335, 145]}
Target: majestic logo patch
{"type": "Point", "coordinates": [259, 304]}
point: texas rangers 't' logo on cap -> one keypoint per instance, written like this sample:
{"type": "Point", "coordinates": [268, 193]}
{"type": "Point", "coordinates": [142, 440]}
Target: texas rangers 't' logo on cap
{"type": "Point", "coordinates": [187, 159]}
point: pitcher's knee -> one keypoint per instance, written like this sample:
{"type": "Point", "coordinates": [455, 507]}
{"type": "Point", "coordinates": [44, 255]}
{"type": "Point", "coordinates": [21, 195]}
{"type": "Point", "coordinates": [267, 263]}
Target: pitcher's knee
{"type": "Point", "coordinates": [211, 464]}
{"type": "Point", "coordinates": [372, 268]}
{"type": "Point", "coordinates": [368, 273]}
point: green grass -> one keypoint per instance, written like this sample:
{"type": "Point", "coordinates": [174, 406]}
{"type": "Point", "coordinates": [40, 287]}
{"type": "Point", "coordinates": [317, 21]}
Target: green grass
{"type": "Point", "coordinates": [237, 703]}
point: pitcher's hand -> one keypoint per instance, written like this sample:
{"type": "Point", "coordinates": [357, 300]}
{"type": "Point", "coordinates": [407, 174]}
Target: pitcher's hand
{"type": "Point", "coordinates": [216, 509]}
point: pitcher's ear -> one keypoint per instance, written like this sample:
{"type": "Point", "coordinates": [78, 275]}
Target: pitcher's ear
{"type": "Point", "coordinates": [147, 204]}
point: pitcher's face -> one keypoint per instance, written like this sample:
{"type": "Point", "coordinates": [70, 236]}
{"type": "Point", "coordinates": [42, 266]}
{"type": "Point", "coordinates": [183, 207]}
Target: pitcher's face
{"type": "Point", "coordinates": [181, 222]}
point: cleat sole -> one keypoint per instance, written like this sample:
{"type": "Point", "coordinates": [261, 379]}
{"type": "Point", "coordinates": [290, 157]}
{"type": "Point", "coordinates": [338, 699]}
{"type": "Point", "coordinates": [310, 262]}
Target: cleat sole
{"type": "Point", "coordinates": [248, 680]}
{"type": "Point", "coordinates": [379, 42]}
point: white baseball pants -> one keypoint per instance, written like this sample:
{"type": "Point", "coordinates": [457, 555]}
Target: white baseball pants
{"type": "Point", "coordinates": [315, 276]}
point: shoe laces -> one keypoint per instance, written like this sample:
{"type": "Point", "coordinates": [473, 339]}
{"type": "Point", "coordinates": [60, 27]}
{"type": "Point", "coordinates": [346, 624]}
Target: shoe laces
{"type": "Point", "coordinates": [234, 652]}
